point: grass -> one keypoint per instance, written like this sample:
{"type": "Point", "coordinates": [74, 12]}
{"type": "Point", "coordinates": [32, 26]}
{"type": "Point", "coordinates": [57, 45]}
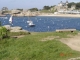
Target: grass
{"type": "Point", "coordinates": [18, 33]}
{"type": "Point", "coordinates": [31, 48]}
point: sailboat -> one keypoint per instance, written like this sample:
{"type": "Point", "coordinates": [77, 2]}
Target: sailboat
{"type": "Point", "coordinates": [30, 23]}
{"type": "Point", "coordinates": [10, 20]}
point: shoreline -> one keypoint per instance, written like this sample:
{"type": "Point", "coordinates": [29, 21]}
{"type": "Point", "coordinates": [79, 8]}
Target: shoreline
{"type": "Point", "coordinates": [54, 15]}
{"type": "Point", "coordinates": [63, 15]}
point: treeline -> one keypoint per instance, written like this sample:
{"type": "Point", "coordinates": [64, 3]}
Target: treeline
{"type": "Point", "coordinates": [76, 4]}
{"type": "Point", "coordinates": [44, 8]}
{"type": "Point", "coordinates": [34, 9]}
{"type": "Point", "coordinates": [49, 7]}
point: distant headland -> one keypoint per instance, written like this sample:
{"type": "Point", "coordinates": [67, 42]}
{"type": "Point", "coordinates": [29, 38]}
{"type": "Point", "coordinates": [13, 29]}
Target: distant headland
{"type": "Point", "coordinates": [61, 9]}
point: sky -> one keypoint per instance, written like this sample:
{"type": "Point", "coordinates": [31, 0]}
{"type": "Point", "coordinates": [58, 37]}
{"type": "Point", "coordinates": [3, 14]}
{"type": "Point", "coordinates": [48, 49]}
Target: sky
{"type": "Point", "coordinates": [27, 4]}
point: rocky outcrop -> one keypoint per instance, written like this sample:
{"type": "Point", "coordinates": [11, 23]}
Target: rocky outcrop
{"type": "Point", "coordinates": [8, 27]}
{"type": "Point", "coordinates": [14, 29]}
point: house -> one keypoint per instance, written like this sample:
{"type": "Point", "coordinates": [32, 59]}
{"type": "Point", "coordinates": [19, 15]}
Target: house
{"type": "Point", "coordinates": [61, 6]}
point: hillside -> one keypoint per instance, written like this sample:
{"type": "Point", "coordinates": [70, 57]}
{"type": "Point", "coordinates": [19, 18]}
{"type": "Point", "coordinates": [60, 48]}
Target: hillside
{"type": "Point", "coordinates": [37, 46]}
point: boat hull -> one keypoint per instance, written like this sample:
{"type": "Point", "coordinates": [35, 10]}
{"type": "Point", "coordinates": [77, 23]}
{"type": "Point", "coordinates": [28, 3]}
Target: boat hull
{"type": "Point", "coordinates": [32, 25]}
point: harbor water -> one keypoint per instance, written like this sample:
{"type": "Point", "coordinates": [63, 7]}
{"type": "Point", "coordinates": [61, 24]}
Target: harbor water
{"type": "Point", "coordinates": [43, 24]}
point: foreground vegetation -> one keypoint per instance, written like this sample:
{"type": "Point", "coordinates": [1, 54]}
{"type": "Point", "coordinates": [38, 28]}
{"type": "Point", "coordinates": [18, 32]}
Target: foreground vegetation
{"type": "Point", "coordinates": [30, 47]}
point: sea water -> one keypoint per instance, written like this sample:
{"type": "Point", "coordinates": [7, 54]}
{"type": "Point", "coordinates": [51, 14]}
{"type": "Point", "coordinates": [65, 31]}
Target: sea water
{"type": "Point", "coordinates": [44, 24]}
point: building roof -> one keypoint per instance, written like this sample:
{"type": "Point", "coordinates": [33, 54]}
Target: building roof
{"type": "Point", "coordinates": [66, 1]}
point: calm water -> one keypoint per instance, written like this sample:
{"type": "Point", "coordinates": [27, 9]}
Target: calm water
{"type": "Point", "coordinates": [43, 24]}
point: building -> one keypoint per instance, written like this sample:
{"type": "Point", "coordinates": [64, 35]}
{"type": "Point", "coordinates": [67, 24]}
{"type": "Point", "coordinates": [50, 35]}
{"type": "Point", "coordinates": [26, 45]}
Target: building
{"type": "Point", "coordinates": [61, 6]}
{"type": "Point", "coordinates": [73, 7]}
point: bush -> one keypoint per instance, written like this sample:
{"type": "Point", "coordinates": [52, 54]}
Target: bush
{"type": "Point", "coordinates": [3, 33]}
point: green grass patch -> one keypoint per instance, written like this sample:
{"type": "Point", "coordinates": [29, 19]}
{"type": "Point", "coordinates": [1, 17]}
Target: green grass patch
{"type": "Point", "coordinates": [31, 48]}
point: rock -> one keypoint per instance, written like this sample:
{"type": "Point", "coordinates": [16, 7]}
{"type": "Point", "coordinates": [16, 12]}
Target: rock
{"type": "Point", "coordinates": [8, 27]}
{"type": "Point", "coordinates": [25, 31]}
{"type": "Point", "coordinates": [16, 28]}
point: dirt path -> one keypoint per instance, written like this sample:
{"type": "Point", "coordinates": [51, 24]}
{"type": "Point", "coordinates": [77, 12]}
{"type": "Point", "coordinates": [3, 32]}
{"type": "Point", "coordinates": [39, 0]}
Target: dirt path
{"type": "Point", "coordinates": [49, 38]}
{"type": "Point", "coordinates": [73, 42]}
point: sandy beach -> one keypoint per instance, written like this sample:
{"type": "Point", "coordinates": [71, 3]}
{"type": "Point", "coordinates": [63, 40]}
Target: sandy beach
{"type": "Point", "coordinates": [62, 15]}
{"type": "Point", "coordinates": [58, 15]}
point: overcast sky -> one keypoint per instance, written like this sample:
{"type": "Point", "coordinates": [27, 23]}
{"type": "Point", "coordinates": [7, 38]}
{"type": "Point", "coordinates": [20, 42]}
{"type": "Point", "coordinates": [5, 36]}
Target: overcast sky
{"type": "Point", "coordinates": [26, 4]}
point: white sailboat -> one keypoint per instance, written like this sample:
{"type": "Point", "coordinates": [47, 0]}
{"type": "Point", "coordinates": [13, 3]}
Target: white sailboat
{"type": "Point", "coordinates": [10, 20]}
{"type": "Point", "coordinates": [30, 23]}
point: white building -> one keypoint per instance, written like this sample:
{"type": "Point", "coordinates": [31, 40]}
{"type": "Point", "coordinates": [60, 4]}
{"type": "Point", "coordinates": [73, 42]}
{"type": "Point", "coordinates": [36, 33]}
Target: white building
{"type": "Point", "coordinates": [61, 6]}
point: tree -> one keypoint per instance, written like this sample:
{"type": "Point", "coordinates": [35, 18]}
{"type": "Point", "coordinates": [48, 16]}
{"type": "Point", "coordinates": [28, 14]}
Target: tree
{"type": "Point", "coordinates": [20, 9]}
{"type": "Point", "coordinates": [78, 5]}
{"type": "Point", "coordinates": [70, 4]}
{"type": "Point", "coordinates": [3, 33]}
{"type": "Point", "coordinates": [33, 9]}
{"type": "Point", "coordinates": [52, 6]}
{"type": "Point", "coordinates": [46, 7]}
{"type": "Point", "coordinates": [4, 9]}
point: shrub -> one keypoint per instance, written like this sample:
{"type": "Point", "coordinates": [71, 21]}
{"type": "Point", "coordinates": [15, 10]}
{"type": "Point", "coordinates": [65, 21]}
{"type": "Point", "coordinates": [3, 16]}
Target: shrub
{"type": "Point", "coordinates": [3, 33]}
